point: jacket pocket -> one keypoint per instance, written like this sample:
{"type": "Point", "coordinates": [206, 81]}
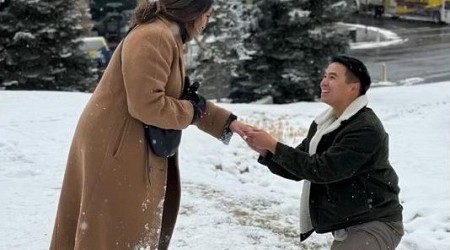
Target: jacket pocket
{"type": "Point", "coordinates": [346, 200]}
{"type": "Point", "coordinates": [120, 141]}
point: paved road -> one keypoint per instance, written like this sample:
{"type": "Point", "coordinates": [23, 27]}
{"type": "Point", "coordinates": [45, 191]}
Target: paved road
{"type": "Point", "coordinates": [425, 54]}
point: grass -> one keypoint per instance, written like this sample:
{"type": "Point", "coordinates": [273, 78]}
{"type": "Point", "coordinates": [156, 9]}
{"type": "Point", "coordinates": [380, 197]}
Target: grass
{"type": "Point", "coordinates": [280, 128]}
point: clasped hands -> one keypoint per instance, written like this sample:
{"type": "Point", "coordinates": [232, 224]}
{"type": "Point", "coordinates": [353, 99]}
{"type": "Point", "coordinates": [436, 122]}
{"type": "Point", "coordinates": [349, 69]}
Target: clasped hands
{"type": "Point", "coordinates": [257, 139]}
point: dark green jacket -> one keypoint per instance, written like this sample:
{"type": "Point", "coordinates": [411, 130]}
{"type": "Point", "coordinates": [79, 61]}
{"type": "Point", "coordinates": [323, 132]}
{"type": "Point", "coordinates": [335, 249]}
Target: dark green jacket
{"type": "Point", "coordinates": [352, 181]}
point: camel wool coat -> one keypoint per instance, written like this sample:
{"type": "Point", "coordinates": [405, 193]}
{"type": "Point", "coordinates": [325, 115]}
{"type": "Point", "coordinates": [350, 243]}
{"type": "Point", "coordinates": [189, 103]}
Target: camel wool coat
{"type": "Point", "coordinates": [116, 194]}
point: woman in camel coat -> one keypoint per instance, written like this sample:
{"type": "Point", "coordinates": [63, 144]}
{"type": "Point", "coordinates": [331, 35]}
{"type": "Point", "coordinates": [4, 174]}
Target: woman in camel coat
{"type": "Point", "coordinates": [116, 193]}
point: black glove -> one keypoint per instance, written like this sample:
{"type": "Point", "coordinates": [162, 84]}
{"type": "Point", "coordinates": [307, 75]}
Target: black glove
{"type": "Point", "coordinates": [198, 101]}
{"type": "Point", "coordinates": [199, 107]}
{"type": "Point", "coordinates": [190, 90]}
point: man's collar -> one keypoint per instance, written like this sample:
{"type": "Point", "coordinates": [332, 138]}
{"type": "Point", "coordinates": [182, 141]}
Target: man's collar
{"type": "Point", "coordinates": [358, 104]}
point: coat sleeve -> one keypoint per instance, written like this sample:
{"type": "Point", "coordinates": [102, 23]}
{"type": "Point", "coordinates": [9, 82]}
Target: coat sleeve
{"type": "Point", "coordinates": [341, 161]}
{"type": "Point", "coordinates": [278, 169]}
{"type": "Point", "coordinates": [214, 121]}
{"type": "Point", "coordinates": [147, 57]}
{"type": "Point", "coordinates": [275, 168]}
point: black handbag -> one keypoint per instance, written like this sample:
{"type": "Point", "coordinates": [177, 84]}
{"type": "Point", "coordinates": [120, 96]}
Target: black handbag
{"type": "Point", "coordinates": [162, 142]}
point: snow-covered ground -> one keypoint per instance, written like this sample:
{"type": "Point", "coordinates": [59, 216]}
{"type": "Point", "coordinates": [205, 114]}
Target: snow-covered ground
{"type": "Point", "coordinates": [228, 200]}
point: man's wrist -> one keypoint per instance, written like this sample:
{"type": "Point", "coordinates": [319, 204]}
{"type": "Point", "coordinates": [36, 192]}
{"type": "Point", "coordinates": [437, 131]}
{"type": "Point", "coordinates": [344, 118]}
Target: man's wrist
{"type": "Point", "coordinates": [273, 148]}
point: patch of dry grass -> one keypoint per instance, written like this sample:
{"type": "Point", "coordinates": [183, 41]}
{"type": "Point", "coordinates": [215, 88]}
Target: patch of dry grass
{"type": "Point", "coordinates": [280, 128]}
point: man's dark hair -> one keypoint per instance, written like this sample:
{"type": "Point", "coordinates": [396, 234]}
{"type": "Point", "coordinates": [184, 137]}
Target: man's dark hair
{"type": "Point", "coordinates": [356, 71]}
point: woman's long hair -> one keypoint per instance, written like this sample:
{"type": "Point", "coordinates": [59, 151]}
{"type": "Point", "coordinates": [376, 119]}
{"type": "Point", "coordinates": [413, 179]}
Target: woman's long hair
{"type": "Point", "coordinates": [183, 12]}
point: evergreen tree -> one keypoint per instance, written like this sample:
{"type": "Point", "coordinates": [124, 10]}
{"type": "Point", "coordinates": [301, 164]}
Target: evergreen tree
{"type": "Point", "coordinates": [40, 47]}
{"type": "Point", "coordinates": [290, 44]}
{"type": "Point", "coordinates": [218, 51]}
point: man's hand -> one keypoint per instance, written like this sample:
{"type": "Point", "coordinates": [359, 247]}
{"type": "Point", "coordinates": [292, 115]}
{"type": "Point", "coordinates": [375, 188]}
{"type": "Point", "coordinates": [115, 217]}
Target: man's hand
{"type": "Point", "coordinates": [245, 131]}
{"type": "Point", "coordinates": [260, 151]}
{"type": "Point", "coordinates": [260, 140]}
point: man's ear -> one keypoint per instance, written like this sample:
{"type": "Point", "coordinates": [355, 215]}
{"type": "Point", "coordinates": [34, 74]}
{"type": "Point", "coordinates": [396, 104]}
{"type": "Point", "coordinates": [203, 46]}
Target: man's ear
{"type": "Point", "coordinates": [355, 87]}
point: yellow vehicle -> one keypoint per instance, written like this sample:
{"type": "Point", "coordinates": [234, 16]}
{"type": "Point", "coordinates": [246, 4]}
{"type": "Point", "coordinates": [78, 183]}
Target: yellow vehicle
{"type": "Point", "coordinates": [437, 11]}
{"type": "Point", "coordinates": [97, 49]}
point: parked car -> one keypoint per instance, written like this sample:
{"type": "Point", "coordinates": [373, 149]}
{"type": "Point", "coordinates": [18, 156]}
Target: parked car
{"type": "Point", "coordinates": [98, 50]}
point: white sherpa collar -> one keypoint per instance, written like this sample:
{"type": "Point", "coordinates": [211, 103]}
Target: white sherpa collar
{"type": "Point", "coordinates": [327, 121]}
{"type": "Point", "coordinates": [350, 111]}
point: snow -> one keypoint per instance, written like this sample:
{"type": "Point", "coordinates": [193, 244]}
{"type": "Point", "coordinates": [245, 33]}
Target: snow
{"type": "Point", "coordinates": [296, 13]}
{"type": "Point", "coordinates": [229, 201]}
{"type": "Point", "coordinates": [23, 36]}
{"type": "Point", "coordinates": [389, 38]}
